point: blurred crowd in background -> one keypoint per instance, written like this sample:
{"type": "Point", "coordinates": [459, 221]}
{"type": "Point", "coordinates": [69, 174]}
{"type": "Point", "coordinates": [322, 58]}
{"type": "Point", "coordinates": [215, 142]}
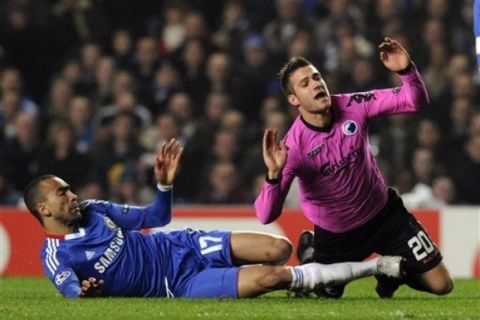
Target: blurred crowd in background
{"type": "Point", "coordinates": [90, 88]}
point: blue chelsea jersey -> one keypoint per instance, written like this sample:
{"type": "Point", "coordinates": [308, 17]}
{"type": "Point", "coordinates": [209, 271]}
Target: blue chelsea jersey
{"type": "Point", "coordinates": [107, 244]}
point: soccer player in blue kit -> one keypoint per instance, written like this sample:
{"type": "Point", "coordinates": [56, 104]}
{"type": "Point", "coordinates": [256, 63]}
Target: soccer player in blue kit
{"type": "Point", "coordinates": [96, 248]}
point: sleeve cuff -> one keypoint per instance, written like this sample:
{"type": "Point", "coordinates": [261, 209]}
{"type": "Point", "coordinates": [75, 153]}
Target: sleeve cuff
{"type": "Point", "coordinates": [164, 188]}
{"type": "Point", "coordinates": [271, 181]}
{"type": "Point", "coordinates": [408, 69]}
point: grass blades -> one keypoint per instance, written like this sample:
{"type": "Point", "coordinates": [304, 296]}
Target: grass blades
{"type": "Point", "coordinates": [36, 298]}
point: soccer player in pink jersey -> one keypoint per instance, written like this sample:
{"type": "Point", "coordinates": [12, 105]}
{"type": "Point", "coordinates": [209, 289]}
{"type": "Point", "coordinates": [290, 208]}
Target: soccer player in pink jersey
{"type": "Point", "coordinates": [342, 191]}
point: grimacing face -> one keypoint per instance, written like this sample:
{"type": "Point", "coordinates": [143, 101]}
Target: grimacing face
{"type": "Point", "coordinates": [60, 202]}
{"type": "Point", "coordinates": [310, 92]}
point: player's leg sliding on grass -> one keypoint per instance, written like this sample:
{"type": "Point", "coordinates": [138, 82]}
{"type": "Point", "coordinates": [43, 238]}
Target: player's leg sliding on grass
{"type": "Point", "coordinates": [255, 280]}
{"type": "Point", "coordinates": [250, 248]}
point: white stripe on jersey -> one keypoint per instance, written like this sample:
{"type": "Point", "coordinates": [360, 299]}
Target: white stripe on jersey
{"type": "Point", "coordinates": [56, 245]}
{"type": "Point", "coordinates": [48, 261]}
{"type": "Point", "coordinates": [51, 259]}
{"type": "Point", "coordinates": [51, 250]}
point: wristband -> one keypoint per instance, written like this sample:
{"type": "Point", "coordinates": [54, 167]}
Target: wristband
{"type": "Point", "coordinates": [271, 181]}
{"type": "Point", "coordinates": [163, 187]}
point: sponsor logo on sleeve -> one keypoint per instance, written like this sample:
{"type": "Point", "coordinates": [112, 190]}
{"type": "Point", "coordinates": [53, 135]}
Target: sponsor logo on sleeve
{"type": "Point", "coordinates": [361, 97]}
{"type": "Point", "coordinates": [61, 277]}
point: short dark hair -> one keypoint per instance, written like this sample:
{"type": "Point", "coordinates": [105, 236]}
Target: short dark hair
{"type": "Point", "coordinates": [286, 71]}
{"type": "Point", "coordinates": [32, 195]}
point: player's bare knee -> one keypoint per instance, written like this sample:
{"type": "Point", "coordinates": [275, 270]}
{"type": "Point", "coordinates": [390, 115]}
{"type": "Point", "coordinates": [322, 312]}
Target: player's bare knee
{"type": "Point", "coordinates": [442, 287]}
{"type": "Point", "coordinates": [280, 251]}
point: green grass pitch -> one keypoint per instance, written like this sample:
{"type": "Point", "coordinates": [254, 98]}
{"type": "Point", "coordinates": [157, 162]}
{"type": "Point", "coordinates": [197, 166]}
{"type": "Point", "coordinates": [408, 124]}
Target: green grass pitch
{"type": "Point", "coordinates": [36, 298]}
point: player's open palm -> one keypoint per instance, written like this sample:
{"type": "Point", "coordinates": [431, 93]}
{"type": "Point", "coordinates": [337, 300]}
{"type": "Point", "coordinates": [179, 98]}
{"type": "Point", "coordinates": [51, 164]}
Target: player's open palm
{"type": "Point", "coordinates": [274, 153]}
{"type": "Point", "coordinates": [168, 161]}
{"type": "Point", "coordinates": [393, 55]}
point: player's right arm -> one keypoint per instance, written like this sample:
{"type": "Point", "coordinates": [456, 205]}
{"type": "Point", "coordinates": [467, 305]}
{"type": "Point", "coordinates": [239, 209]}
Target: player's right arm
{"type": "Point", "coordinates": [269, 203]}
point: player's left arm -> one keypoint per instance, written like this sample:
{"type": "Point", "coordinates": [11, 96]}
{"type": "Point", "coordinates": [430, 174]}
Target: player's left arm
{"type": "Point", "coordinates": [58, 269]}
{"type": "Point", "coordinates": [410, 96]}
{"type": "Point", "coordinates": [160, 212]}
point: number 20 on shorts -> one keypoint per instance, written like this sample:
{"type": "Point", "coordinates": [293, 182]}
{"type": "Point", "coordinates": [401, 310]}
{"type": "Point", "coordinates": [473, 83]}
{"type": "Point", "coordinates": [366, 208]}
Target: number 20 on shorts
{"type": "Point", "coordinates": [421, 245]}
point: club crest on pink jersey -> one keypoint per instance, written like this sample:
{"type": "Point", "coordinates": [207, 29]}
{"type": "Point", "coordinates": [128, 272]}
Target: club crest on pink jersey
{"type": "Point", "coordinates": [349, 127]}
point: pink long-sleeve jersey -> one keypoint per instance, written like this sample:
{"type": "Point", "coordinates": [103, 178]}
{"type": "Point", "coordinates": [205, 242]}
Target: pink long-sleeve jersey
{"type": "Point", "coordinates": [340, 184]}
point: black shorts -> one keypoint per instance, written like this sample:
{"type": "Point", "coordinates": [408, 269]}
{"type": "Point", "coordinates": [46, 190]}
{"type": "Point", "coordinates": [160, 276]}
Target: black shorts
{"type": "Point", "coordinates": [393, 231]}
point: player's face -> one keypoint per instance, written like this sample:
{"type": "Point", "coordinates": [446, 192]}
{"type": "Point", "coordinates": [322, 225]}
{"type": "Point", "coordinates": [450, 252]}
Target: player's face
{"type": "Point", "coordinates": [310, 91]}
{"type": "Point", "coordinates": [61, 202]}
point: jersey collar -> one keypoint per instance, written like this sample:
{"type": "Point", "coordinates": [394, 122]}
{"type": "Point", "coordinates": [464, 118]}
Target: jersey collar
{"type": "Point", "coordinates": [69, 236]}
{"type": "Point", "coordinates": [320, 129]}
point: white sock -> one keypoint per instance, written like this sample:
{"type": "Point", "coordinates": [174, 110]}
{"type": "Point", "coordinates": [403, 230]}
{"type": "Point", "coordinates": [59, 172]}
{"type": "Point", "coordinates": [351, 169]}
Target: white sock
{"type": "Point", "coordinates": [302, 279]}
{"type": "Point", "coordinates": [307, 276]}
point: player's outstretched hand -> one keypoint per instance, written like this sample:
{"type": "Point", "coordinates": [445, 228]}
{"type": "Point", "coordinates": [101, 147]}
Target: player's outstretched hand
{"type": "Point", "coordinates": [393, 55]}
{"type": "Point", "coordinates": [274, 153]}
{"type": "Point", "coordinates": [168, 162]}
{"type": "Point", "coordinates": [91, 288]}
